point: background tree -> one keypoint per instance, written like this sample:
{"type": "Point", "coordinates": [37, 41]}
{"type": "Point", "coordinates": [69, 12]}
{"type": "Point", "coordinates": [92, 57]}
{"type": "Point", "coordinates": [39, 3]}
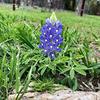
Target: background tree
{"type": "Point", "coordinates": [32, 3]}
{"type": "Point", "coordinates": [18, 3]}
{"type": "Point", "coordinates": [73, 5]}
{"type": "Point", "coordinates": [70, 4]}
{"type": "Point", "coordinates": [2, 1]}
{"type": "Point", "coordinates": [94, 7]}
{"type": "Point", "coordinates": [50, 4]}
{"type": "Point", "coordinates": [67, 4]}
{"type": "Point", "coordinates": [82, 3]}
{"type": "Point", "coordinates": [14, 7]}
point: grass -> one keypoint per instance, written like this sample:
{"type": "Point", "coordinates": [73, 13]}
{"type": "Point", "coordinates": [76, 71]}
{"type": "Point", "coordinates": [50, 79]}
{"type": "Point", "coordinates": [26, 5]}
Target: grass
{"type": "Point", "coordinates": [87, 23]}
{"type": "Point", "coordinates": [22, 62]}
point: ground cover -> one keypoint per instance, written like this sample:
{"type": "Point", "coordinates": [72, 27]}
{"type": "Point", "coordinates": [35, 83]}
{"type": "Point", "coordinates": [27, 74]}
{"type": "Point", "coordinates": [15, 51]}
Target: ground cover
{"type": "Point", "coordinates": [21, 61]}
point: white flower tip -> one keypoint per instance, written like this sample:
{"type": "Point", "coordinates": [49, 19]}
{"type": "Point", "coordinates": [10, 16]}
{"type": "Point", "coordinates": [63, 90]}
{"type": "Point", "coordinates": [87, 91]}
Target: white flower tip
{"type": "Point", "coordinates": [45, 40]}
{"type": "Point", "coordinates": [49, 28]}
{"type": "Point", "coordinates": [45, 50]}
{"type": "Point", "coordinates": [50, 36]}
{"type": "Point", "coordinates": [50, 46]}
{"type": "Point", "coordinates": [53, 17]}
{"type": "Point", "coordinates": [56, 30]}
{"type": "Point", "coordinates": [52, 55]}
{"type": "Point", "coordinates": [57, 40]}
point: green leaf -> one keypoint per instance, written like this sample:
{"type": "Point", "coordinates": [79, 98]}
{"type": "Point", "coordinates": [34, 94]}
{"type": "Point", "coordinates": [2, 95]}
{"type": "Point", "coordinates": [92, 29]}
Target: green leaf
{"type": "Point", "coordinates": [79, 66]}
{"type": "Point", "coordinates": [0, 74]}
{"type": "Point", "coordinates": [75, 86]}
{"type": "Point", "coordinates": [61, 60]}
{"type": "Point", "coordinates": [52, 67]}
{"type": "Point", "coordinates": [65, 70]}
{"type": "Point", "coordinates": [27, 82]}
{"type": "Point", "coordinates": [95, 66]}
{"type": "Point", "coordinates": [43, 70]}
{"type": "Point", "coordinates": [25, 40]}
{"type": "Point", "coordinates": [72, 73]}
{"type": "Point", "coordinates": [78, 56]}
{"type": "Point", "coordinates": [18, 83]}
{"type": "Point", "coordinates": [80, 71]}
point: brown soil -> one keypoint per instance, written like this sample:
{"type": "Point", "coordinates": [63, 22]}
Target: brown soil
{"type": "Point", "coordinates": [89, 84]}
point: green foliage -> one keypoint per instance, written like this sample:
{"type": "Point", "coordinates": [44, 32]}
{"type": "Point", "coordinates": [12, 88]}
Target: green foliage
{"type": "Point", "coordinates": [94, 7]}
{"type": "Point", "coordinates": [21, 61]}
{"type": "Point", "coordinates": [42, 86]}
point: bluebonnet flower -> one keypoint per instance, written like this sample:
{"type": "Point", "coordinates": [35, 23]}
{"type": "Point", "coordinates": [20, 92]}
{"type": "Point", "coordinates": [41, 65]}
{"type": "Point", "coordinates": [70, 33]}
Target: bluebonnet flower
{"type": "Point", "coordinates": [51, 36]}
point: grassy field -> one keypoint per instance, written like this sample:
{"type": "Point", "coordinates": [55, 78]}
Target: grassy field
{"type": "Point", "coordinates": [87, 23]}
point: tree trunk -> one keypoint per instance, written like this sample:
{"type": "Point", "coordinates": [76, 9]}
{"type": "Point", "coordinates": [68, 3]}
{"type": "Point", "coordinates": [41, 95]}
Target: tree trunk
{"type": "Point", "coordinates": [14, 7]}
{"type": "Point", "coordinates": [82, 7]}
{"type": "Point", "coordinates": [32, 3]}
{"type": "Point", "coordinates": [18, 3]}
{"type": "Point", "coordinates": [73, 5]}
{"type": "Point", "coordinates": [1, 1]}
{"type": "Point", "coordinates": [27, 3]}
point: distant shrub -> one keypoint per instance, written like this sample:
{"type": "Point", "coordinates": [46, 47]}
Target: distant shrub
{"type": "Point", "coordinates": [93, 7]}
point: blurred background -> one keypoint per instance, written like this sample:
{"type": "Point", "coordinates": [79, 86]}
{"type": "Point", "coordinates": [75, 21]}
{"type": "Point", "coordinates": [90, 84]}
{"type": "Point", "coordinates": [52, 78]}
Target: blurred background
{"type": "Point", "coordinates": [90, 6]}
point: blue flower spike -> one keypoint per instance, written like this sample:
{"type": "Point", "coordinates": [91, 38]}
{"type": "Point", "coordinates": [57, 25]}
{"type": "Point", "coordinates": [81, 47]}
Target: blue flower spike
{"type": "Point", "coordinates": [50, 37]}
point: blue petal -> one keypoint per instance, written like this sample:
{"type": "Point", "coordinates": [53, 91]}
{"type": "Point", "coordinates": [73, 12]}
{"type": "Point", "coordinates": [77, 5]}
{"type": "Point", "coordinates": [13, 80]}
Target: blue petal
{"type": "Point", "coordinates": [48, 21]}
{"type": "Point", "coordinates": [58, 49]}
{"type": "Point", "coordinates": [40, 46]}
{"type": "Point", "coordinates": [52, 55]}
{"type": "Point", "coordinates": [58, 24]}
